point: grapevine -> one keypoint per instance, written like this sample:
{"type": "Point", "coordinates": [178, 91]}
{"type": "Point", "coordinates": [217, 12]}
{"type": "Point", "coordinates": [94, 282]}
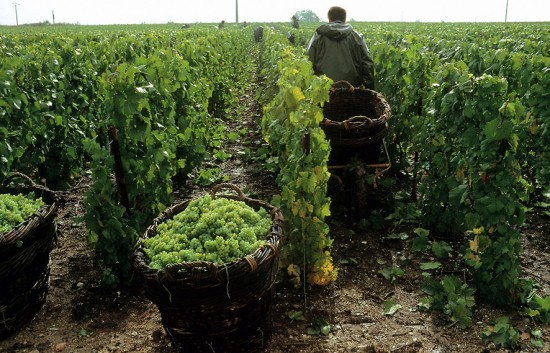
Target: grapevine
{"type": "Point", "coordinates": [293, 114]}
{"type": "Point", "coordinates": [217, 230]}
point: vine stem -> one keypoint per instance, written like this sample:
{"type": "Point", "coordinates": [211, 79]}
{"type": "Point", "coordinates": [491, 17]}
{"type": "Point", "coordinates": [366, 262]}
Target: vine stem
{"type": "Point", "coordinates": [119, 170]}
{"type": "Point", "coordinates": [419, 112]}
{"type": "Point", "coordinates": [306, 146]}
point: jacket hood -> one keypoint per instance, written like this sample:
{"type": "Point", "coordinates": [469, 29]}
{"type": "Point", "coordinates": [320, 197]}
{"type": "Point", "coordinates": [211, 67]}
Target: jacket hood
{"type": "Point", "coordinates": [335, 30]}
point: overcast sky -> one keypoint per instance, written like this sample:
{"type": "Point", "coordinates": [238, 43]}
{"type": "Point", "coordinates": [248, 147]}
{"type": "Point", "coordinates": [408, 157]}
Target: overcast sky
{"type": "Point", "coordinates": [191, 11]}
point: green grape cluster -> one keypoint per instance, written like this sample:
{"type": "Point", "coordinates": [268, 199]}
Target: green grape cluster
{"type": "Point", "coordinates": [218, 230]}
{"type": "Point", "coordinates": [15, 209]}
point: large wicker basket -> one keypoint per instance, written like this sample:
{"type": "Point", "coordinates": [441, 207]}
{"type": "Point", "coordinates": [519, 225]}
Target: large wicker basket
{"type": "Point", "coordinates": [355, 122]}
{"type": "Point", "coordinates": [355, 116]}
{"type": "Point", "coordinates": [25, 261]}
{"type": "Point", "coordinates": [206, 307]}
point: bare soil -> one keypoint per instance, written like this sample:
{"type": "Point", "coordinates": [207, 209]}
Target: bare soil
{"type": "Point", "coordinates": [80, 316]}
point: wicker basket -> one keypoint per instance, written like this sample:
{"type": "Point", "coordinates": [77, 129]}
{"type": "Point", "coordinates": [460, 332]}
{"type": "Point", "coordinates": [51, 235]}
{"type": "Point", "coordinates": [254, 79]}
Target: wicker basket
{"type": "Point", "coordinates": [206, 307]}
{"type": "Point", "coordinates": [355, 116]}
{"type": "Point", "coordinates": [25, 261]}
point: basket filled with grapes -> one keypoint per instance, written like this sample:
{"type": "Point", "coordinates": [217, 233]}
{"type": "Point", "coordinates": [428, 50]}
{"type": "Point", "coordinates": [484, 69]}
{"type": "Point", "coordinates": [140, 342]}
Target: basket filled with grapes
{"type": "Point", "coordinates": [209, 265]}
{"type": "Point", "coordinates": [28, 233]}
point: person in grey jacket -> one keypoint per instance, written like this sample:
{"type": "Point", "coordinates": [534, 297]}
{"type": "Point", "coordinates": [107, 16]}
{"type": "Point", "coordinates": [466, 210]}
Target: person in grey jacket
{"type": "Point", "coordinates": [340, 52]}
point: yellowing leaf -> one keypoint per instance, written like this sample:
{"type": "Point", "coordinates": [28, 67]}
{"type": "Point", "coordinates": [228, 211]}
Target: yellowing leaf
{"type": "Point", "coordinates": [478, 231]}
{"type": "Point", "coordinates": [297, 94]}
{"type": "Point", "coordinates": [474, 244]}
{"type": "Point", "coordinates": [459, 176]}
{"type": "Point", "coordinates": [294, 208]}
{"type": "Point", "coordinates": [325, 211]}
{"type": "Point", "coordinates": [471, 256]}
{"type": "Point", "coordinates": [533, 313]}
{"type": "Point", "coordinates": [319, 278]}
{"type": "Point", "coordinates": [318, 171]}
{"type": "Point", "coordinates": [525, 336]}
{"type": "Point", "coordinates": [293, 270]}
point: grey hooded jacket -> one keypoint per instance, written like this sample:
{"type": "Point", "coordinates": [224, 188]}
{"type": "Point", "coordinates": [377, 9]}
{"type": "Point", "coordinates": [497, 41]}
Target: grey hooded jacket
{"type": "Point", "coordinates": [341, 53]}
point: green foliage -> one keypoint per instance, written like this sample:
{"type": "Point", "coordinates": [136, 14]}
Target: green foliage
{"type": "Point", "coordinates": [450, 295]}
{"type": "Point", "coordinates": [403, 211]}
{"type": "Point", "coordinates": [538, 308]}
{"type": "Point", "coordinates": [391, 274]}
{"type": "Point", "coordinates": [391, 307]}
{"type": "Point", "coordinates": [502, 333]}
{"type": "Point", "coordinates": [477, 183]}
{"type": "Point", "coordinates": [208, 176]}
{"type": "Point", "coordinates": [319, 327]}
{"type": "Point", "coordinates": [295, 315]}
{"type": "Point", "coordinates": [291, 127]}
{"type": "Point", "coordinates": [375, 222]}
{"type": "Point", "coordinates": [441, 249]}
{"type": "Point", "coordinates": [421, 242]}
{"type": "Point", "coordinates": [433, 265]}
{"type": "Point", "coordinates": [157, 101]}
{"type": "Point", "coordinates": [465, 109]}
{"type": "Point", "coordinates": [404, 76]}
{"type": "Point", "coordinates": [536, 338]}
{"type": "Point", "coordinates": [44, 108]}
{"type": "Point", "coordinates": [129, 103]}
{"type": "Point", "coordinates": [15, 209]}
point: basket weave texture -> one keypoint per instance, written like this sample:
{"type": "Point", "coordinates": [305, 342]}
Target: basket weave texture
{"type": "Point", "coordinates": [355, 116]}
{"type": "Point", "coordinates": [25, 265]}
{"type": "Point", "coordinates": [208, 307]}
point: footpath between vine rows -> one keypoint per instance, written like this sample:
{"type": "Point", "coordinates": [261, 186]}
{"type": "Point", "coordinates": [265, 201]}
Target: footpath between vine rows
{"type": "Point", "coordinates": [80, 316]}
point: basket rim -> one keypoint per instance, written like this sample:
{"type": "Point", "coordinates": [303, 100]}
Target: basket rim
{"type": "Point", "coordinates": [358, 119]}
{"type": "Point", "coordinates": [45, 214]}
{"type": "Point", "coordinates": [250, 262]}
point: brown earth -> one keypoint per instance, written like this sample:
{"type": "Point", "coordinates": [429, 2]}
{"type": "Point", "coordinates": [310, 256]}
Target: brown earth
{"type": "Point", "coordinates": [80, 316]}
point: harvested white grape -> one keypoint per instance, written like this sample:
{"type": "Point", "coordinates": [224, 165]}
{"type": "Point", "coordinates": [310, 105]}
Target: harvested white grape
{"type": "Point", "coordinates": [218, 230]}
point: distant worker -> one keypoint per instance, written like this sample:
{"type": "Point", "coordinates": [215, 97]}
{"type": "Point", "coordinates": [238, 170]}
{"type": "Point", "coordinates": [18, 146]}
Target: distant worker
{"type": "Point", "coordinates": [340, 52]}
{"type": "Point", "coordinates": [258, 34]}
{"type": "Point", "coordinates": [222, 24]}
{"type": "Point", "coordinates": [291, 38]}
{"type": "Point", "coordinates": [295, 23]}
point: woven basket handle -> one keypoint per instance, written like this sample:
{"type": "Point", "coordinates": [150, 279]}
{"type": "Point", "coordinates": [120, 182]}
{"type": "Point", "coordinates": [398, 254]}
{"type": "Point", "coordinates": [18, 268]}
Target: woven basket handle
{"type": "Point", "coordinates": [241, 196]}
{"type": "Point", "coordinates": [343, 82]}
{"type": "Point", "coordinates": [356, 119]}
{"type": "Point", "coordinates": [30, 183]}
{"type": "Point", "coordinates": [359, 118]}
{"type": "Point", "coordinates": [199, 270]}
{"type": "Point", "coordinates": [222, 186]}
